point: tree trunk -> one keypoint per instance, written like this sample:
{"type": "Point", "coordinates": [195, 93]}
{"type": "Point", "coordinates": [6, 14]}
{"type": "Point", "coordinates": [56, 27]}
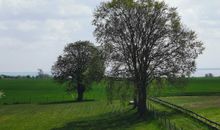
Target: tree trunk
{"type": "Point", "coordinates": [80, 92]}
{"type": "Point", "coordinates": [135, 98]}
{"type": "Point", "coordinates": [135, 103]}
{"type": "Point", "coordinates": [141, 104]}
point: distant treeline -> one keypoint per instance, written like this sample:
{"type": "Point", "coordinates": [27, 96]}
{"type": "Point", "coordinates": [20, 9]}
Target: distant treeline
{"type": "Point", "coordinates": [45, 76]}
{"type": "Point", "coordinates": [40, 75]}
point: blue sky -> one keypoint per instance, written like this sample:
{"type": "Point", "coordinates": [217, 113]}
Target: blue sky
{"type": "Point", "coordinates": [34, 32]}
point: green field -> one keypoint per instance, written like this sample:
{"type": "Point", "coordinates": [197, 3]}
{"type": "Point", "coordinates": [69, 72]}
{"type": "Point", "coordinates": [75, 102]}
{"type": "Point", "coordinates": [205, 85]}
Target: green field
{"type": "Point", "coordinates": [42, 91]}
{"type": "Point", "coordinates": [193, 87]}
{"type": "Point", "coordinates": [207, 106]}
{"type": "Point", "coordinates": [78, 116]}
{"type": "Point", "coordinates": [58, 112]}
{"type": "Point", "coordinates": [179, 119]}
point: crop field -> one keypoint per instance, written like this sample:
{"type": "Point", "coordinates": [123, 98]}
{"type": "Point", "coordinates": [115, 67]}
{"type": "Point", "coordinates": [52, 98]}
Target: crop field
{"type": "Point", "coordinates": [30, 102]}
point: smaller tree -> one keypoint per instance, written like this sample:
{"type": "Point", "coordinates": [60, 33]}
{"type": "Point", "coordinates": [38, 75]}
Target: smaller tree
{"type": "Point", "coordinates": [42, 75]}
{"type": "Point", "coordinates": [40, 72]}
{"type": "Point", "coordinates": [209, 75]}
{"type": "Point", "coordinates": [81, 64]}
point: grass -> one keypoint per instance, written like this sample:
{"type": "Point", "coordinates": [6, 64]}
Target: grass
{"type": "Point", "coordinates": [42, 90]}
{"type": "Point", "coordinates": [37, 90]}
{"type": "Point", "coordinates": [59, 112]}
{"type": "Point", "coordinates": [179, 119]}
{"type": "Point", "coordinates": [194, 87]}
{"type": "Point", "coordinates": [94, 115]}
{"type": "Point", "coordinates": [208, 106]}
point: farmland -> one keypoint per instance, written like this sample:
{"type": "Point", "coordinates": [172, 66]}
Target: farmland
{"type": "Point", "coordinates": [38, 101]}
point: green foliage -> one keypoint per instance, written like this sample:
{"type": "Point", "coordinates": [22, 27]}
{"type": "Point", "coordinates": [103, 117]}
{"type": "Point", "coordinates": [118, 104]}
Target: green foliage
{"type": "Point", "coordinates": [156, 86]}
{"type": "Point", "coordinates": [119, 89]}
{"type": "Point", "coordinates": [78, 67]}
{"type": "Point", "coordinates": [148, 41]}
{"type": "Point", "coordinates": [95, 70]}
{"type": "Point", "coordinates": [126, 3]}
{"type": "Point", "coordinates": [159, 84]}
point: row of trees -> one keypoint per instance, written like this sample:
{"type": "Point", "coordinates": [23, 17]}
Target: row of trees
{"type": "Point", "coordinates": [140, 40]}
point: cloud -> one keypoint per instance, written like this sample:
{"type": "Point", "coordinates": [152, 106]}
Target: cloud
{"type": "Point", "coordinates": [27, 26]}
{"type": "Point", "coordinates": [34, 32]}
{"type": "Point", "coordinates": [203, 17]}
{"type": "Point", "coordinates": [71, 8]}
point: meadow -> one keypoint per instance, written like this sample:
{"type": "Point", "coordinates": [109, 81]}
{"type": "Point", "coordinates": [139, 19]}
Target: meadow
{"type": "Point", "coordinates": [92, 115]}
{"type": "Point", "coordinates": [25, 91]}
{"type": "Point", "coordinates": [193, 87]}
{"type": "Point", "coordinates": [207, 106]}
{"type": "Point", "coordinates": [30, 102]}
{"type": "Point", "coordinates": [180, 120]}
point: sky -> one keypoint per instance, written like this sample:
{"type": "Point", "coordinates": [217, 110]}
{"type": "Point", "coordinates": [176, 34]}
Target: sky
{"type": "Point", "coordinates": [33, 33]}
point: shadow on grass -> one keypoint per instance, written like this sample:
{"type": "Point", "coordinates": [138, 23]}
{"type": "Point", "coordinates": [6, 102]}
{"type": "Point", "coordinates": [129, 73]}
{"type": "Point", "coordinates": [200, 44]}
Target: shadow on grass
{"type": "Point", "coordinates": [109, 121]}
{"type": "Point", "coordinates": [70, 101]}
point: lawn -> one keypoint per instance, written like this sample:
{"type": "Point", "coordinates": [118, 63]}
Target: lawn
{"type": "Point", "coordinates": [52, 108]}
{"type": "Point", "coordinates": [94, 115]}
{"type": "Point", "coordinates": [207, 106]}
{"type": "Point", "coordinates": [179, 119]}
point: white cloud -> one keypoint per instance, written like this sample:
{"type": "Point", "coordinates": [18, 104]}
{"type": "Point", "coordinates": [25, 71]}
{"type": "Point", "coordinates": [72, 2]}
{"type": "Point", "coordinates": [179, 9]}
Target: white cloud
{"type": "Point", "coordinates": [71, 8]}
{"type": "Point", "coordinates": [35, 31]}
{"type": "Point", "coordinates": [2, 26]}
{"type": "Point", "coordinates": [15, 7]}
{"type": "Point", "coordinates": [27, 25]}
{"type": "Point", "coordinates": [61, 28]}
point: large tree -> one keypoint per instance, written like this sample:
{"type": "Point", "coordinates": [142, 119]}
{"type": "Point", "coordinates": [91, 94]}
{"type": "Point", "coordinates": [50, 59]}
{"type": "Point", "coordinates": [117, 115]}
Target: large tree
{"type": "Point", "coordinates": [79, 66]}
{"type": "Point", "coordinates": [147, 40]}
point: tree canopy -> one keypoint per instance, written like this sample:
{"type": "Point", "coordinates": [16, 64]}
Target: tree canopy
{"type": "Point", "coordinates": [76, 66]}
{"type": "Point", "coordinates": [146, 40]}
